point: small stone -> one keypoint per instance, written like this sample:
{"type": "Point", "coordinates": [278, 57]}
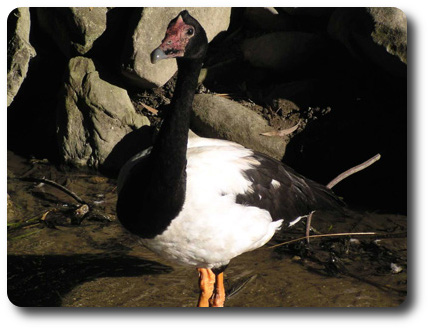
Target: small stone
{"type": "Point", "coordinates": [395, 269]}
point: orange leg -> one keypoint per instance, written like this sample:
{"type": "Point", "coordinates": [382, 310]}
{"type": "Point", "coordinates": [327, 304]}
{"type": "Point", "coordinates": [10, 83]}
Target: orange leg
{"type": "Point", "coordinates": [206, 284]}
{"type": "Point", "coordinates": [218, 296]}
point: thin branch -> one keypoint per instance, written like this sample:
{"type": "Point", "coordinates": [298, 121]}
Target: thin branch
{"type": "Point", "coordinates": [308, 225]}
{"type": "Point", "coordinates": [322, 235]}
{"type": "Point", "coordinates": [58, 186]}
{"type": "Point", "coordinates": [33, 220]}
{"type": "Point", "coordinates": [353, 170]}
{"type": "Point", "coordinates": [392, 235]}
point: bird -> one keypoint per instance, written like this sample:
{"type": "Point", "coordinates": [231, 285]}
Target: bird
{"type": "Point", "coordinates": [201, 202]}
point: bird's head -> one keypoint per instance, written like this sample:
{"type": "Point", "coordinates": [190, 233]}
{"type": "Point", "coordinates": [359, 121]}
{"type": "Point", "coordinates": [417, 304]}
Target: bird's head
{"type": "Point", "coordinates": [185, 38]}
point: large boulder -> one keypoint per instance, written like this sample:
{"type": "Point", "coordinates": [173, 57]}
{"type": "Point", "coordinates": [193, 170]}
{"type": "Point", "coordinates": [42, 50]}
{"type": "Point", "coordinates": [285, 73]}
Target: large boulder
{"type": "Point", "coordinates": [217, 117]}
{"type": "Point", "coordinates": [74, 29]}
{"type": "Point", "coordinates": [19, 50]}
{"type": "Point", "coordinates": [147, 35]}
{"type": "Point", "coordinates": [93, 116]}
{"type": "Point", "coordinates": [284, 51]}
{"type": "Point", "coordinates": [376, 35]}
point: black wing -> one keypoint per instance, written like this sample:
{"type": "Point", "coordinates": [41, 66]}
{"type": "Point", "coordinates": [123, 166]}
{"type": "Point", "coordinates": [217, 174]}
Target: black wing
{"type": "Point", "coordinates": [283, 192]}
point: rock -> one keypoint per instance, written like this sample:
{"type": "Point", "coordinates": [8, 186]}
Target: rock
{"type": "Point", "coordinates": [265, 19]}
{"type": "Point", "coordinates": [19, 50]}
{"type": "Point", "coordinates": [147, 35]}
{"type": "Point", "coordinates": [74, 29]}
{"type": "Point", "coordinates": [218, 117]}
{"type": "Point", "coordinates": [377, 35]}
{"type": "Point", "coordinates": [285, 51]}
{"type": "Point", "coordinates": [93, 117]}
{"type": "Point", "coordinates": [391, 30]}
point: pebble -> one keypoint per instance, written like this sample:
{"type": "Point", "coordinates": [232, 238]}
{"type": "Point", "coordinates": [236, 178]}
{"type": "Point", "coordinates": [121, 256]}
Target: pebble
{"type": "Point", "coordinates": [395, 269]}
{"type": "Point", "coordinates": [354, 241]}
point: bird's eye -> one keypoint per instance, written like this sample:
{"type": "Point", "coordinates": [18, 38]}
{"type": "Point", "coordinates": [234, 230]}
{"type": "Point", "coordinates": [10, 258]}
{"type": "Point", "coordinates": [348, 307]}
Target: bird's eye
{"type": "Point", "coordinates": [190, 31]}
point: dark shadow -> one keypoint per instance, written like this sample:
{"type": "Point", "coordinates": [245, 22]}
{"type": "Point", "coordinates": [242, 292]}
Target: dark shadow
{"type": "Point", "coordinates": [131, 144]}
{"type": "Point", "coordinates": [31, 119]}
{"type": "Point", "coordinates": [37, 280]}
{"type": "Point", "coordinates": [108, 49]}
{"type": "Point", "coordinates": [368, 116]}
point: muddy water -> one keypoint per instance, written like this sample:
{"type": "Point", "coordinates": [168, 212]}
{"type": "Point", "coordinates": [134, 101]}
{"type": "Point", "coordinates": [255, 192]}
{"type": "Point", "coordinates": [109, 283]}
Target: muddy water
{"type": "Point", "coordinates": [65, 261]}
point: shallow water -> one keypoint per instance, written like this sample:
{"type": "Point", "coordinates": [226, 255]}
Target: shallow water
{"type": "Point", "coordinates": [60, 261]}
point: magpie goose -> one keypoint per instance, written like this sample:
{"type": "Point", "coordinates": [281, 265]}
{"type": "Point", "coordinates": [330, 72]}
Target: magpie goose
{"type": "Point", "coordinates": [201, 202]}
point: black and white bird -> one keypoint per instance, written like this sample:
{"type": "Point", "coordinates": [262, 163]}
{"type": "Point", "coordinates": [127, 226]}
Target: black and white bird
{"type": "Point", "coordinates": [201, 202]}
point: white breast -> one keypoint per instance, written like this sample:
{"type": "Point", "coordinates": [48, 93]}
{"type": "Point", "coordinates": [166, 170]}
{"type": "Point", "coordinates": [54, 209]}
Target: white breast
{"type": "Point", "coordinates": [211, 229]}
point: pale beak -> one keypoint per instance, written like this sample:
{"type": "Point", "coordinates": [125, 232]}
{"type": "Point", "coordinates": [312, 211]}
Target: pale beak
{"type": "Point", "coordinates": [157, 54]}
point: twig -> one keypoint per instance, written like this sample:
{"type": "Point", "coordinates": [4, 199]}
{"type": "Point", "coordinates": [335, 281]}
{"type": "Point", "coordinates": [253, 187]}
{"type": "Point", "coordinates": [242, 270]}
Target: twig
{"type": "Point", "coordinates": [353, 170]}
{"type": "Point", "coordinates": [322, 235]}
{"type": "Point", "coordinates": [32, 221]}
{"type": "Point", "coordinates": [17, 225]}
{"type": "Point", "coordinates": [56, 185]}
{"type": "Point", "coordinates": [308, 225]}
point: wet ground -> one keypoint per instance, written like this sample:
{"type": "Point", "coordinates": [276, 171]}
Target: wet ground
{"type": "Point", "coordinates": [56, 258]}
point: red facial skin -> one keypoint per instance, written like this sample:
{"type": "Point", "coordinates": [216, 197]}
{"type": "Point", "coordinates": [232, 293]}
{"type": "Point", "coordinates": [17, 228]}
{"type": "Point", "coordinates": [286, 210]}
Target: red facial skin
{"type": "Point", "coordinates": [177, 37]}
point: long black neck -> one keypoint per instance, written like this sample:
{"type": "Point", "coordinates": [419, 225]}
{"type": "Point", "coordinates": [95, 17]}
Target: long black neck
{"type": "Point", "coordinates": [168, 156]}
{"type": "Point", "coordinates": [154, 192]}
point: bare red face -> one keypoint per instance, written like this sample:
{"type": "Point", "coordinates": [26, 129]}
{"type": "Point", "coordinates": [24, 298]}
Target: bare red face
{"type": "Point", "coordinates": [177, 36]}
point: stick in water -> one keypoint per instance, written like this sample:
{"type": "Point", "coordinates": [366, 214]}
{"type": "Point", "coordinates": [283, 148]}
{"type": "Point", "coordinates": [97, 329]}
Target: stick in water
{"type": "Point", "coordinates": [56, 185]}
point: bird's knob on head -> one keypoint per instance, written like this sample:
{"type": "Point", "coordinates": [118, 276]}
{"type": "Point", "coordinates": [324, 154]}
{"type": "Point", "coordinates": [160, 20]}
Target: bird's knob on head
{"type": "Point", "coordinates": [178, 35]}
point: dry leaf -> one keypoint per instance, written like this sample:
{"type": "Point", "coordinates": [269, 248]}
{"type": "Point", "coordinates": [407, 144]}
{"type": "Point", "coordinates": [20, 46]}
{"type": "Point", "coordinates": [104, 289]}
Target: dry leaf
{"type": "Point", "coordinates": [150, 109]}
{"type": "Point", "coordinates": [282, 132]}
{"type": "Point", "coordinates": [225, 95]}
